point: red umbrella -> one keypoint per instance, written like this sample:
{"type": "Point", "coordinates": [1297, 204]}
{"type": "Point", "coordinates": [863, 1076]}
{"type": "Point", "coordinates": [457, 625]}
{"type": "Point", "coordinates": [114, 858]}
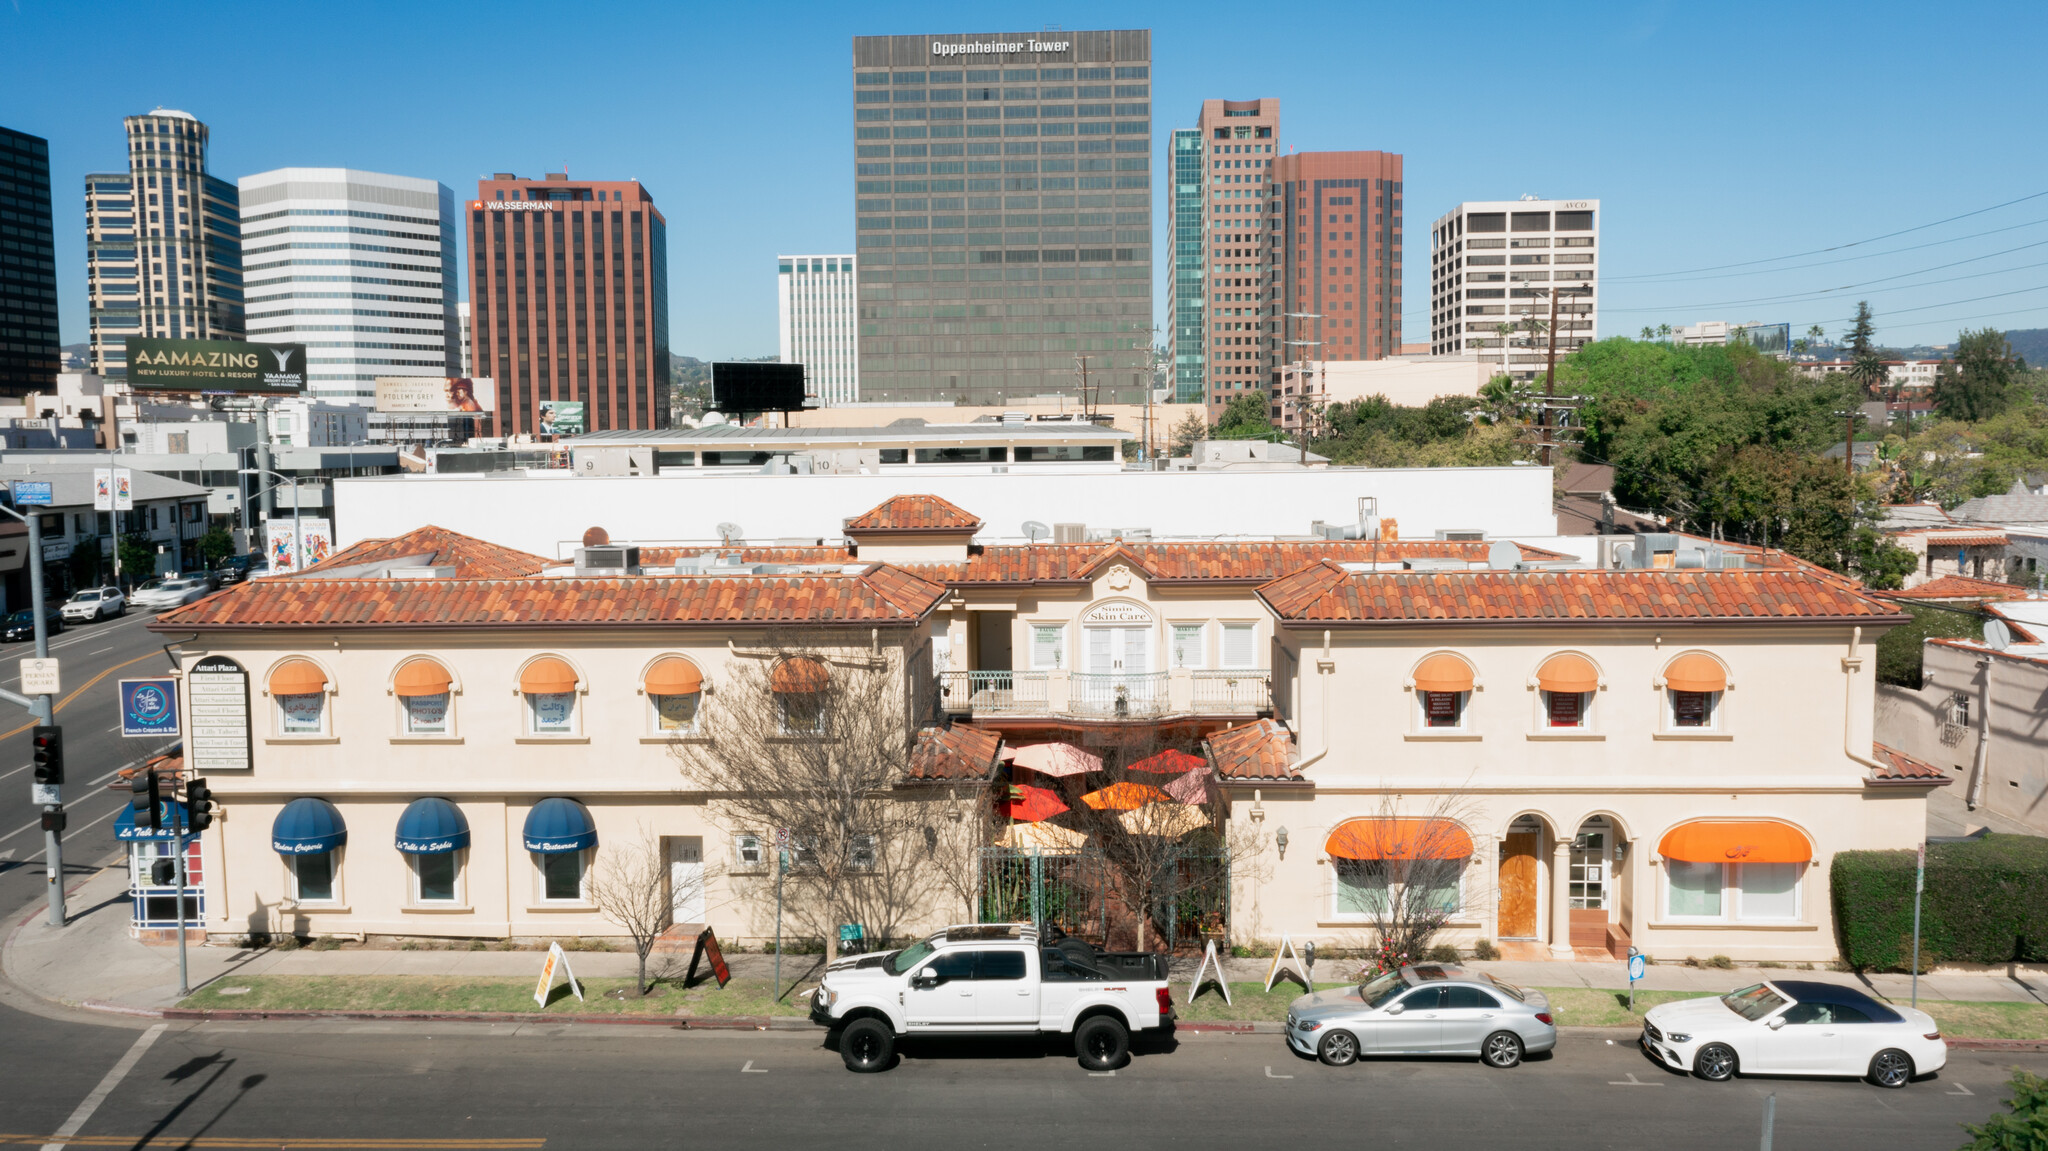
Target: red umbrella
{"type": "Point", "coordinates": [1030, 804]}
{"type": "Point", "coordinates": [1170, 762]}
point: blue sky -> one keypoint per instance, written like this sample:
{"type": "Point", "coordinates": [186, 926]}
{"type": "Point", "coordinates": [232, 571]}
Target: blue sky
{"type": "Point", "coordinates": [1714, 134]}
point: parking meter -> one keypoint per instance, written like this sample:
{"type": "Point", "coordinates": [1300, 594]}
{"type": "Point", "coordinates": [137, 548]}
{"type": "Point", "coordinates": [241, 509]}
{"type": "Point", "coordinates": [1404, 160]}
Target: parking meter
{"type": "Point", "coordinates": [1308, 956]}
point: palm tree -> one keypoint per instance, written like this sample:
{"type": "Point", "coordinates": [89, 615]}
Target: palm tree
{"type": "Point", "coordinates": [1648, 333]}
{"type": "Point", "coordinates": [1500, 399]}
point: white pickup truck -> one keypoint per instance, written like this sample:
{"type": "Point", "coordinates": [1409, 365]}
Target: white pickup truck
{"type": "Point", "coordinates": [993, 979]}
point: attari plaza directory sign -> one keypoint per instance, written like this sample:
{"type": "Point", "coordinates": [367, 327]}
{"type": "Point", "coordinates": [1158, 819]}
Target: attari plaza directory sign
{"type": "Point", "coordinates": [217, 696]}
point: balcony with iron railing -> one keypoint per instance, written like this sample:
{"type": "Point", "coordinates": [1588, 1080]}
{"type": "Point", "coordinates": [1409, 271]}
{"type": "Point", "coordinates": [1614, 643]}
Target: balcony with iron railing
{"type": "Point", "coordinates": [1106, 696]}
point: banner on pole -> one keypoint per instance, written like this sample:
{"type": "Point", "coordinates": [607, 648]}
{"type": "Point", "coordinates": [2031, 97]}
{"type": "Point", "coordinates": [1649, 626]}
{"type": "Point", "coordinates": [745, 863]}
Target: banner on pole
{"type": "Point", "coordinates": [557, 960]}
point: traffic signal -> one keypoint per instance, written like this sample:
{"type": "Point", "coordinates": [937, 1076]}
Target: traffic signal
{"type": "Point", "coordinates": [49, 754]}
{"type": "Point", "coordinates": [163, 873]}
{"type": "Point", "coordinates": [198, 805]}
{"type": "Point", "coordinates": [144, 794]}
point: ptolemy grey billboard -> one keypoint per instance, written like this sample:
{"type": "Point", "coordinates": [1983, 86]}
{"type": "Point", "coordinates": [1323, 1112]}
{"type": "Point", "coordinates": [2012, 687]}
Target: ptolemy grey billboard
{"type": "Point", "coordinates": [156, 365]}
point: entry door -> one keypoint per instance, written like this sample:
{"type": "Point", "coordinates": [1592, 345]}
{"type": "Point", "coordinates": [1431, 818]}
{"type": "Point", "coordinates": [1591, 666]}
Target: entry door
{"type": "Point", "coordinates": [1119, 650]}
{"type": "Point", "coordinates": [686, 878]}
{"type": "Point", "coordinates": [1518, 885]}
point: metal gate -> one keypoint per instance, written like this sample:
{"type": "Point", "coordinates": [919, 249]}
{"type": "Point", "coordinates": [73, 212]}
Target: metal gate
{"type": "Point", "coordinates": [1074, 890]}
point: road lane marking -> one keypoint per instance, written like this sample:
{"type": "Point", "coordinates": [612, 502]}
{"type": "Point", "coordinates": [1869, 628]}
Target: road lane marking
{"type": "Point", "coordinates": [750, 1069]}
{"type": "Point", "coordinates": [37, 822]}
{"type": "Point", "coordinates": [101, 651]}
{"type": "Point", "coordinates": [1270, 1075]}
{"type": "Point", "coordinates": [1960, 1090]}
{"type": "Point", "coordinates": [99, 1094]}
{"type": "Point", "coordinates": [426, 1143]}
{"type": "Point", "coordinates": [1631, 1081]}
{"type": "Point", "coordinates": [1102, 1075]}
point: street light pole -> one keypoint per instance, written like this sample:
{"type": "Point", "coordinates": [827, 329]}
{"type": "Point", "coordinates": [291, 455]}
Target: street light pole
{"type": "Point", "coordinates": [53, 839]}
{"type": "Point", "coordinates": [298, 540]}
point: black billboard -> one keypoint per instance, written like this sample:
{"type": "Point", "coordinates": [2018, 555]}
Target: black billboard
{"type": "Point", "coordinates": [156, 365]}
{"type": "Point", "coordinates": [757, 387]}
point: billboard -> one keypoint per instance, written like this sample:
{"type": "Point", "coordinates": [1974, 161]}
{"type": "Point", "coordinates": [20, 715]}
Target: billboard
{"type": "Point", "coordinates": [561, 418]}
{"type": "Point", "coordinates": [233, 366]}
{"type": "Point", "coordinates": [453, 394]}
{"type": "Point", "coordinates": [316, 543]}
{"type": "Point", "coordinates": [757, 387]}
{"type": "Point", "coordinates": [1770, 339]}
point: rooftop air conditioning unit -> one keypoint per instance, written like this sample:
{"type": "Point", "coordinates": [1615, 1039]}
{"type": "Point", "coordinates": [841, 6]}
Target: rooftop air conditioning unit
{"type": "Point", "coordinates": [429, 571]}
{"type": "Point", "coordinates": [1070, 533]}
{"type": "Point", "coordinates": [610, 560]}
{"type": "Point", "coordinates": [1462, 535]}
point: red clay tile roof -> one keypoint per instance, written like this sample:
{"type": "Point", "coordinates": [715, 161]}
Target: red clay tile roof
{"type": "Point", "coordinates": [1261, 750]}
{"type": "Point", "coordinates": [954, 753]}
{"type": "Point", "coordinates": [876, 595]}
{"type": "Point", "coordinates": [1326, 593]}
{"type": "Point", "coordinates": [1957, 587]}
{"type": "Point", "coordinates": [1956, 539]}
{"type": "Point", "coordinates": [914, 514]}
{"type": "Point", "coordinates": [1900, 768]}
{"type": "Point", "coordinates": [472, 558]}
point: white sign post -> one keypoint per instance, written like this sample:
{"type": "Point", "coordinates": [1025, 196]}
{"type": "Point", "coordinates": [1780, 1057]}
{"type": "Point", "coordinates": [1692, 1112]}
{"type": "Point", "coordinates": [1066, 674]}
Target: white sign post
{"type": "Point", "coordinates": [39, 677]}
{"type": "Point", "coordinates": [557, 961]}
{"type": "Point", "coordinates": [1282, 959]}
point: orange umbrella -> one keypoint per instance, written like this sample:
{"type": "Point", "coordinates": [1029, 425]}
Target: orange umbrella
{"type": "Point", "coordinates": [1030, 804]}
{"type": "Point", "coordinates": [1056, 759]}
{"type": "Point", "coordinates": [1170, 762]}
{"type": "Point", "coordinates": [1125, 796]}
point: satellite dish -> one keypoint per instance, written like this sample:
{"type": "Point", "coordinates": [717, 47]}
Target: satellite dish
{"type": "Point", "coordinates": [727, 533]}
{"type": "Point", "coordinates": [1503, 555]}
{"type": "Point", "coordinates": [712, 420]}
{"type": "Point", "coordinates": [1997, 634]}
{"type": "Point", "coordinates": [1033, 530]}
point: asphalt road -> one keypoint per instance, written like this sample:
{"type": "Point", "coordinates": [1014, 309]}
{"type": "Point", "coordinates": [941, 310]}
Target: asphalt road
{"type": "Point", "coordinates": [93, 749]}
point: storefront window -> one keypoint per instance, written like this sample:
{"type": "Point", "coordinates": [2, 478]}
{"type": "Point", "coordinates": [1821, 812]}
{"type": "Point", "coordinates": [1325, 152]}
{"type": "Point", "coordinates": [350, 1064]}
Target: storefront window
{"type": "Point", "coordinates": [1769, 890]}
{"type": "Point", "coordinates": [1361, 886]}
{"type": "Point", "coordinates": [1695, 889]}
{"type": "Point", "coordinates": [551, 713]}
{"type": "Point", "coordinates": [1751, 891]}
{"type": "Point", "coordinates": [434, 877]}
{"type": "Point", "coordinates": [314, 876]}
{"type": "Point", "coordinates": [1187, 645]}
{"type": "Point", "coordinates": [302, 714]}
{"type": "Point", "coordinates": [425, 714]}
{"type": "Point", "coordinates": [561, 875]}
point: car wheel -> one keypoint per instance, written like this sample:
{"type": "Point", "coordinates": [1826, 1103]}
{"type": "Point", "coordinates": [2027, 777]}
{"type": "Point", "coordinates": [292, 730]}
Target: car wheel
{"type": "Point", "coordinates": [1338, 1049]}
{"type": "Point", "coordinates": [1502, 1049]}
{"type": "Point", "coordinates": [1102, 1044]}
{"type": "Point", "coordinates": [866, 1045]}
{"type": "Point", "coordinates": [1715, 1063]}
{"type": "Point", "coordinates": [1891, 1068]}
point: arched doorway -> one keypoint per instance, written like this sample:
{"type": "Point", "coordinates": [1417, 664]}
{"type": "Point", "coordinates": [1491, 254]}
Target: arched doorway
{"type": "Point", "coordinates": [1116, 675]}
{"type": "Point", "coordinates": [1520, 880]}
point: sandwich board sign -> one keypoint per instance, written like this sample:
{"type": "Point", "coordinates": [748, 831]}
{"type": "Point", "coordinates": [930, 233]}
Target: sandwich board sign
{"type": "Point", "coordinates": [556, 961]}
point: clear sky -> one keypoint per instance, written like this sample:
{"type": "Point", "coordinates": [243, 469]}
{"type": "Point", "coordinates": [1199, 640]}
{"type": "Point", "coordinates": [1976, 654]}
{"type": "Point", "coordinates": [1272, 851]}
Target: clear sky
{"type": "Point", "coordinates": [1714, 134]}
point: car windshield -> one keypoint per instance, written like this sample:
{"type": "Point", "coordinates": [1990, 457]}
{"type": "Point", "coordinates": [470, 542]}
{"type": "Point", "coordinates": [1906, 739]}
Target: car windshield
{"type": "Point", "coordinates": [909, 957]}
{"type": "Point", "coordinates": [1753, 1002]}
{"type": "Point", "coordinates": [152, 585]}
{"type": "Point", "coordinates": [1378, 991]}
{"type": "Point", "coordinates": [1508, 989]}
{"type": "Point", "coordinates": [21, 616]}
{"type": "Point", "coordinates": [85, 596]}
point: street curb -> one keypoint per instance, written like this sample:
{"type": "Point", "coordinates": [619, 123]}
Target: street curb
{"type": "Point", "coordinates": [679, 1022]}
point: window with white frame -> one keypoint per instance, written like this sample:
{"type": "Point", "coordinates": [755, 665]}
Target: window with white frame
{"type": "Point", "coordinates": [1048, 647]}
{"type": "Point", "coordinates": [561, 875]}
{"type": "Point", "coordinates": [1692, 710]}
{"type": "Point", "coordinates": [1732, 892]}
{"type": "Point", "coordinates": [550, 713]}
{"type": "Point", "coordinates": [1363, 886]}
{"type": "Point", "coordinates": [862, 851]}
{"type": "Point", "coordinates": [1567, 710]}
{"type": "Point", "coordinates": [302, 714]}
{"type": "Point", "coordinates": [1441, 710]}
{"type": "Point", "coordinates": [748, 852]}
{"type": "Point", "coordinates": [1240, 645]}
{"type": "Point", "coordinates": [436, 878]}
{"type": "Point", "coordinates": [314, 877]}
{"type": "Point", "coordinates": [1366, 887]}
{"type": "Point", "coordinates": [1185, 649]}
{"type": "Point", "coordinates": [673, 714]}
{"type": "Point", "coordinates": [803, 712]}
{"type": "Point", "coordinates": [424, 714]}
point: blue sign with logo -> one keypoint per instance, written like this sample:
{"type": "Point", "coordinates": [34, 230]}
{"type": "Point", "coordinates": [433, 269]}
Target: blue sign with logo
{"type": "Point", "coordinates": [149, 707]}
{"type": "Point", "coordinates": [33, 492]}
{"type": "Point", "coordinates": [1637, 964]}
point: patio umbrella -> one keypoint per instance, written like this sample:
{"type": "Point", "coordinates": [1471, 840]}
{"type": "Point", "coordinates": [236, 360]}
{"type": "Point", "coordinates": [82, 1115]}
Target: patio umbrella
{"type": "Point", "coordinates": [1056, 759]}
{"type": "Point", "coordinates": [1125, 796]}
{"type": "Point", "coordinates": [1030, 804]}
{"type": "Point", "coordinates": [1159, 819]}
{"type": "Point", "coordinates": [1170, 762]}
{"type": "Point", "coordinates": [1047, 836]}
{"type": "Point", "coordinates": [1191, 788]}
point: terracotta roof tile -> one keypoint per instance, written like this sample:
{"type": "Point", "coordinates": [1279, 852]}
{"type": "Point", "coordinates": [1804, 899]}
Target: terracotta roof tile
{"type": "Point", "coordinates": [472, 558]}
{"type": "Point", "coordinates": [913, 514]}
{"type": "Point", "coordinates": [1958, 587]}
{"type": "Point", "coordinates": [954, 753]}
{"type": "Point", "coordinates": [1327, 593]}
{"type": "Point", "coordinates": [1900, 768]}
{"type": "Point", "coordinates": [1261, 750]}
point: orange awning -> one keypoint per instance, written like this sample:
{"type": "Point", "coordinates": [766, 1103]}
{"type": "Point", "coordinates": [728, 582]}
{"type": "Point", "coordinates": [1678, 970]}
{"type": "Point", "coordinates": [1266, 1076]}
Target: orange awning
{"type": "Point", "coordinates": [297, 677]}
{"type": "Point", "coordinates": [1747, 841]}
{"type": "Point", "coordinates": [797, 676]}
{"type": "Point", "coordinates": [547, 676]}
{"type": "Point", "coordinates": [422, 677]}
{"type": "Point", "coordinates": [1443, 672]}
{"type": "Point", "coordinates": [674, 675]}
{"type": "Point", "coordinates": [1399, 838]}
{"type": "Point", "coordinates": [1125, 796]}
{"type": "Point", "coordinates": [1695, 672]}
{"type": "Point", "coordinates": [1565, 672]}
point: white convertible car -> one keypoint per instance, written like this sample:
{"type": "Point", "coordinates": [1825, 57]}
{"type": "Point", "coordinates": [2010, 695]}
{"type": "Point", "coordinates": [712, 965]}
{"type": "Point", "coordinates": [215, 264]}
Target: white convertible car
{"type": "Point", "coordinates": [1795, 1027]}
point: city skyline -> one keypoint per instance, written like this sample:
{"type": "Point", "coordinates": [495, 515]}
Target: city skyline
{"type": "Point", "coordinates": [1706, 151]}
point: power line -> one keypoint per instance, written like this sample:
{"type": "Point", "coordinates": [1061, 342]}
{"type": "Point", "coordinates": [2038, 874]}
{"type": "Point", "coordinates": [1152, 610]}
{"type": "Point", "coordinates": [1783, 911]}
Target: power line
{"type": "Point", "coordinates": [1842, 260]}
{"type": "Point", "coordinates": [1865, 286]}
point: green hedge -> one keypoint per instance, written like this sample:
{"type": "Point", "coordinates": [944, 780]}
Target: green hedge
{"type": "Point", "coordinates": [1986, 902]}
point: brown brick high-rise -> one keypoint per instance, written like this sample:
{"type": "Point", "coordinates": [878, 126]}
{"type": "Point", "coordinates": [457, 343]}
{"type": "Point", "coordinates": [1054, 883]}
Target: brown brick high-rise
{"type": "Point", "coordinates": [1339, 255]}
{"type": "Point", "coordinates": [568, 288]}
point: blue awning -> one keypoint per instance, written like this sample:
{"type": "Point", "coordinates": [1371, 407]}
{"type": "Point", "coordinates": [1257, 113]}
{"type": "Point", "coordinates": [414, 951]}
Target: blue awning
{"type": "Point", "coordinates": [557, 825]}
{"type": "Point", "coordinates": [166, 811]}
{"type": "Point", "coordinates": [307, 826]}
{"type": "Point", "coordinates": [432, 827]}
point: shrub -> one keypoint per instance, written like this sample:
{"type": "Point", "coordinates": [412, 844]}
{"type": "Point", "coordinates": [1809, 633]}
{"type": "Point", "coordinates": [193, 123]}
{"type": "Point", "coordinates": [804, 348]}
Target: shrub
{"type": "Point", "coordinates": [1986, 902]}
{"type": "Point", "coordinates": [1719, 963]}
{"type": "Point", "coordinates": [2024, 1128]}
{"type": "Point", "coordinates": [1442, 953]}
{"type": "Point", "coordinates": [1484, 949]}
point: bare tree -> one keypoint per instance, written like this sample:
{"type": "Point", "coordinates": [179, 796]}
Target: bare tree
{"type": "Point", "coordinates": [1404, 869]}
{"type": "Point", "coordinates": [955, 830]}
{"type": "Point", "coordinates": [631, 885]}
{"type": "Point", "coordinates": [806, 737]}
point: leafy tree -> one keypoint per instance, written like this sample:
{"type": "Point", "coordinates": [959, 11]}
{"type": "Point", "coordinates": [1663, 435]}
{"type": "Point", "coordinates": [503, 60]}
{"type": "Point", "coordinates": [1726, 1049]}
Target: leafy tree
{"type": "Point", "coordinates": [2024, 1128]}
{"type": "Point", "coordinates": [1191, 429]}
{"type": "Point", "coordinates": [1899, 650]}
{"type": "Point", "coordinates": [1866, 362]}
{"type": "Point", "coordinates": [138, 558]}
{"type": "Point", "coordinates": [1245, 417]}
{"type": "Point", "coordinates": [216, 545]}
{"type": "Point", "coordinates": [85, 562]}
{"type": "Point", "coordinates": [1982, 381]}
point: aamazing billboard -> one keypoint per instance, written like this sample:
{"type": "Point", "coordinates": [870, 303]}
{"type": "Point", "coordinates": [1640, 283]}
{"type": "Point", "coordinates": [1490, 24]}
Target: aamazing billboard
{"type": "Point", "coordinates": [156, 365]}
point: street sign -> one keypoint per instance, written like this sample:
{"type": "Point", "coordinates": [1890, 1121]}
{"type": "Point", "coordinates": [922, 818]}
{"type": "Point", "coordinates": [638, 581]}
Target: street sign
{"type": "Point", "coordinates": [217, 690]}
{"type": "Point", "coordinates": [39, 677]}
{"type": "Point", "coordinates": [149, 708]}
{"type": "Point", "coordinates": [46, 793]}
{"type": "Point", "coordinates": [1637, 965]}
{"type": "Point", "coordinates": [32, 492]}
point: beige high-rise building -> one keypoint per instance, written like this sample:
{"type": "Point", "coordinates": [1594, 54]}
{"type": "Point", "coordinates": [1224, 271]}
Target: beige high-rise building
{"type": "Point", "coordinates": [1221, 297]}
{"type": "Point", "coordinates": [1493, 267]}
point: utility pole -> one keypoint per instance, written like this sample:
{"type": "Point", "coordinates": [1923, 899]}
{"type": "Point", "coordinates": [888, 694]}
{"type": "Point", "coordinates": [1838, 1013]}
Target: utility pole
{"type": "Point", "coordinates": [53, 812]}
{"type": "Point", "coordinates": [1549, 381]}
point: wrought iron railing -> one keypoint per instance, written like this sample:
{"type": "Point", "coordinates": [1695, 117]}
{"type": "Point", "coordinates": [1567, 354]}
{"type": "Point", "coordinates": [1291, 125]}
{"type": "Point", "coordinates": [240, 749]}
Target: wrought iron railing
{"type": "Point", "coordinates": [1119, 694]}
{"type": "Point", "coordinates": [1233, 691]}
{"type": "Point", "coordinates": [993, 692]}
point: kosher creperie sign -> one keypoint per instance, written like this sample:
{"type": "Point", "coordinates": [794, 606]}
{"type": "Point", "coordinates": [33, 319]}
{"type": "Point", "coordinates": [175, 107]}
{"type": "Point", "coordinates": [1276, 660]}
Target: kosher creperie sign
{"type": "Point", "coordinates": [996, 47]}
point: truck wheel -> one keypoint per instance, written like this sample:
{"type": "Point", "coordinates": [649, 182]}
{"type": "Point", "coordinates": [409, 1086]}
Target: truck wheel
{"type": "Point", "coordinates": [1102, 1043]}
{"type": "Point", "coordinates": [866, 1045]}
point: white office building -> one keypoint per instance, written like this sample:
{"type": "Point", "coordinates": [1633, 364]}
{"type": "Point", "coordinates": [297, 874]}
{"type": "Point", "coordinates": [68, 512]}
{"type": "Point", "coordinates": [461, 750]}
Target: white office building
{"type": "Point", "coordinates": [815, 306]}
{"type": "Point", "coordinates": [1493, 267]}
{"type": "Point", "coordinates": [462, 315]}
{"type": "Point", "coordinates": [357, 266]}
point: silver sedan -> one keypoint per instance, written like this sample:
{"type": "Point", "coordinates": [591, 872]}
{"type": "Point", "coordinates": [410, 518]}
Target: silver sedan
{"type": "Point", "coordinates": [1433, 1009]}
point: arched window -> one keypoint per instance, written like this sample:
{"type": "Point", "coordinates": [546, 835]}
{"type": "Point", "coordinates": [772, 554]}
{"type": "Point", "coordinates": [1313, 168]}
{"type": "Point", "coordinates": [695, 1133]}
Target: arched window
{"type": "Point", "coordinates": [1567, 682]}
{"type": "Point", "coordinates": [674, 690]}
{"type": "Point", "coordinates": [1734, 870]}
{"type": "Point", "coordinates": [298, 691]}
{"type": "Point", "coordinates": [1693, 684]}
{"type": "Point", "coordinates": [548, 686]}
{"type": "Point", "coordinates": [424, 690]}
{"type": "Point", "coordinates": [1443, 688]}
{"type": "Point", "coordinates": [799, 686]}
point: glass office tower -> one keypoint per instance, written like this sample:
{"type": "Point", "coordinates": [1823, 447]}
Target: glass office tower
{"type": "Point", "coordinates": [1003, 199]}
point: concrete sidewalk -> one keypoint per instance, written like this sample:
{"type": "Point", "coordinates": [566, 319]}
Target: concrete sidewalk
{"type": "Point", "coordinates": [93, 961]}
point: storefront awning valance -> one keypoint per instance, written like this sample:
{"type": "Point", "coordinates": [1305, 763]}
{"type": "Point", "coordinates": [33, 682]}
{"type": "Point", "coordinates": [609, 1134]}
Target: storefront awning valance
{"type": "Point", "coordinates": [1733, 841]}
{"type": "Point", "coordinates": [167, 811]}
{"type": "Point", "coordinates": [1399, 838]}
{"type": "Point", "coordinates": [297, 677]}
{"type": "Point", "coordinates": [432, 826]}
{"type": "Point", "coordinates": [557, 825]}
{"type": "Point", "coordinates": [422, 677]}
{"type": "Point", "coordinates": [797, 676]}
{"type": "Point", "coordinates": [674, 675]}
{"type": "Point", "coordinates": [1695, 672]}
{"type": "Point", "coordinates": [307, 826]}
{"type": "Point", "coordinates": [1565, 672]}
{"type": "Point", "coordinates": [547, 676]}
{"type": "Point", "coordinates": [1443, 672]}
